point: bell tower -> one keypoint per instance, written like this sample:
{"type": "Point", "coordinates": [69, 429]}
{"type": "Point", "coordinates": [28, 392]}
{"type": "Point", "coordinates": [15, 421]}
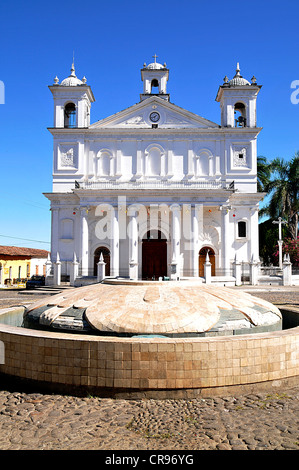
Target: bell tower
{"type": "Point", "coordinates": [154, 77]}
{"type": "Point", "coordinates": [72, 101]}
{"type": "Point", "coordinates": [237, 98]}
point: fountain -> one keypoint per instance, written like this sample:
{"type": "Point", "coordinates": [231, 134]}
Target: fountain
{"type": "Point", "coordinates": [138, 308]}
{"type": "Point", "coordinates": [165, 339]}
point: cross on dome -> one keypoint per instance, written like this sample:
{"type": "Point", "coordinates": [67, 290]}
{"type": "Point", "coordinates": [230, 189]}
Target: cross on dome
{"type": "Point", "coordinates": [155, 65]}
{"type": "Point", "coordinates": [72, 79]}
{"type": "Point", "coordinates": [238, 79]}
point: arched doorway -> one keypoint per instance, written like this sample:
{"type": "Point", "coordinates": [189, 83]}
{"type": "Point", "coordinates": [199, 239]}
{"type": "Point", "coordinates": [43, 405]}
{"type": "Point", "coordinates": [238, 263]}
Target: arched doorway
{"type": "Point", "coordinates": [154, 255]}
{"type": "Point", "coordinates": [202, 259]}
{"type": "Point", "coordinates": [106, 256]}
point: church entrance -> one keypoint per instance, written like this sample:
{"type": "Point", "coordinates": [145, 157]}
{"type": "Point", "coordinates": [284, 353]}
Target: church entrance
{"type": "Point", "coordinates": [202, 259]}
{"type": "Point", "coordinates": [106, 256]}
{"type": "Point", "coordinates": [154, 256]}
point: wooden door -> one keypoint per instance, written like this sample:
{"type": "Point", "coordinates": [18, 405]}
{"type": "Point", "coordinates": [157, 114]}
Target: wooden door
{"type": "Point", "coordinates": [202, 259]}
{"type": "Point", "coordinates": [154, 258]}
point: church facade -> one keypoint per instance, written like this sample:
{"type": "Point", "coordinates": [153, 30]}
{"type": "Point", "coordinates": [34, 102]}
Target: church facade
{"type": "Point", "coordinates": [153, 189]}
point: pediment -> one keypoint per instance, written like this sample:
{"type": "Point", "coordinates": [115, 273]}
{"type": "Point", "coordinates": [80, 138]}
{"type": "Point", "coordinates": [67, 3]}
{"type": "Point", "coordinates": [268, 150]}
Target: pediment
{"type": "Point", "coordinates": [138, 117]}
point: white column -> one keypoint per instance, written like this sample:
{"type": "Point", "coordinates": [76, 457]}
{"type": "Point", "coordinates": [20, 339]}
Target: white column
{"type": "Point", "coordinates": [169, 159]}
{"type": "Point", "coordinates": [74, 270]}
{"type": "Point", "coordinates": [48, 266]}
{"type": "Point", "coordinates": [175, 241]}
{"type": "Point", "coordinates": [138, 160]}
{"type": "Point", "coordinates": [190, 159]}
{"type": "Point", "coordinates": [254, 271]}
{"type": "Point", "coordinates": [163, 165]}
{"type": "Point", "coordinates": [95, 164]}
{"type": "Point", "coordinates": [101, 267]}
{"type": "Point", "coordinates": [57, 271]}
{"type": "Point", "coordinates": [118, 159]}
{"type": "Point", "coordinates": [133, 243]}
{"type": "Point", "coordinates": [225, 241]}
{"type": "Point", "coordinates": [84, 241]}
{"type": "Point", "coordinates": [55, 229]}
{"type": "Point", "coordinates": [208, 270]}
{"type": "Point", "coordinates": [254, 233]}
{"type": "Point", "coordinates": [49, 274]}
{"type": "Point", "coordinates": [217, 158]}
{"type": "Point", "coordinates": [287, 271]}
{"type": "Point", "coordinates": [237, 271]}
{"type": "Point", "coordinates": [86, 158]}
{"type": "Point", "coordinates": [195, 214]}
{"type": "Point", "coordinates": [114, 243]}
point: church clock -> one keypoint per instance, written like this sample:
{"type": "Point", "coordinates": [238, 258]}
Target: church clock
{"type": "Point", "coordinates": [155, 117]}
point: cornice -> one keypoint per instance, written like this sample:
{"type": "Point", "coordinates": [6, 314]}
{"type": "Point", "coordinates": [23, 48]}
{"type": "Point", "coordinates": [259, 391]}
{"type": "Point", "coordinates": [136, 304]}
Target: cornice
{"type": "Point", "coordinates": [59, 89]}
{"type": "Point", "coordinates": [152, 193]}
{"type": "Point", "coordinates": [248, 198]}
{"type": "Point", "coordinates": [154, 132]}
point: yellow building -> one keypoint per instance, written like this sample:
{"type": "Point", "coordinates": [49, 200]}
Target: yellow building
{"type": "Point", "coordinates": [18, 264]}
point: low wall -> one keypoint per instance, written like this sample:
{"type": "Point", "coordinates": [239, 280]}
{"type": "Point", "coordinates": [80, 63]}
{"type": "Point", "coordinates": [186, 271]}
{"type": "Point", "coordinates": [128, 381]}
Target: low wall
{"type": "Point", "coordinates": [149, 366]}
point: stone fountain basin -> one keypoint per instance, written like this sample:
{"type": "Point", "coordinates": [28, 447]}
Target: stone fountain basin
{"type": "Point", "coordinates": [128, 308]}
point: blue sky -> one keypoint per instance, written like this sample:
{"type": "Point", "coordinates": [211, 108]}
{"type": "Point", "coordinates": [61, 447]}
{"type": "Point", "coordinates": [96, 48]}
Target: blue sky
{"type": "Point", "coordinates": [200, 41]}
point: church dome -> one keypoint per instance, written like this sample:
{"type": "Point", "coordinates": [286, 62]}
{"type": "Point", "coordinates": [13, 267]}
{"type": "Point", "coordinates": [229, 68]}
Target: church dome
{"type": "Point", "coordinates": [155, 65]}
{"type": "Point", "coordinates": [238, 80]}
{"type": "Point", "coordinates": [72, 79]}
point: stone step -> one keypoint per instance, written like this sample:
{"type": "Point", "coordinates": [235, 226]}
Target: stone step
{"type": "Point", "coordinates": [46, 289]}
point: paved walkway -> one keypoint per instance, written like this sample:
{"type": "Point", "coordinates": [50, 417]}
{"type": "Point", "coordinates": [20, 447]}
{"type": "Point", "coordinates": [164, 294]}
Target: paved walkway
{"type": "Point", "coordinates": [260, 421]}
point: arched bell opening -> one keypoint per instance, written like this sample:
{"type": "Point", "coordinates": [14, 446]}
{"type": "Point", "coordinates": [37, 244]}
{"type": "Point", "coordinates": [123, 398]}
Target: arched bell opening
{"type": "Point", "coordinates": [154, 86]}
{"type": "Point", "coordinates": [70, 115]}
{"type": "Point", "coordinates": [240, 115]}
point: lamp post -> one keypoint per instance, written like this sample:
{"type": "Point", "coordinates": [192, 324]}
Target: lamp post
{"type": "Point", "coordinates": [280, 242]}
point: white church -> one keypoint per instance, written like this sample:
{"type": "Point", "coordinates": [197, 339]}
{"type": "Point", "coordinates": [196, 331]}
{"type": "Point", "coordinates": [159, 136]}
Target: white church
{"type": "Point", "coordinates": [153, 191]}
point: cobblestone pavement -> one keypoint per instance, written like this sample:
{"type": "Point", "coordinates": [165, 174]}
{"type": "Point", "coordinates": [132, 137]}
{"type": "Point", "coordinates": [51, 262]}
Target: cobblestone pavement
{"type": "Point", "coordinates": [259, 421]}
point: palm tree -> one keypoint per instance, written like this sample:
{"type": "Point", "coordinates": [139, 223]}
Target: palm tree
{"type": "Point", "coordinates": [283, 190]}
{"type": "Point", "coordinates": [263, 174]}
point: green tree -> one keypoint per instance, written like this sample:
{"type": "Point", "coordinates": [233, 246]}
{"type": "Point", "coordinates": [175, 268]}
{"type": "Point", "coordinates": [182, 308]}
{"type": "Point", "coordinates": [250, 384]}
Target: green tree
{"type": "Point", "coordinates": [263, 174]}
{"type": "Point", "coordinates": [268, 236]}
{"type": "Point", "coordinates": [283, 191]}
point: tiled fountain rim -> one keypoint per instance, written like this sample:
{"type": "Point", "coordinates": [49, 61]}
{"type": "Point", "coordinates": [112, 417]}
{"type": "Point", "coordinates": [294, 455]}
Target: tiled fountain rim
{"type": "Point", "coordinates": [181, 367]}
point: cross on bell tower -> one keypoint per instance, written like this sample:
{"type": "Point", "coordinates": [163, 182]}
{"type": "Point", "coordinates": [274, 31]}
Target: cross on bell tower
{"type": "Point", "coordinates": [154, 77]}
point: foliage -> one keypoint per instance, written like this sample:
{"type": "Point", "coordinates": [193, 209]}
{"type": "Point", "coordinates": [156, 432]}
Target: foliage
{"type": "Point", "coordinates": [291, 247]}
{"type": "Point", "coordinates": [263, 174]}
{"type": "Point", "coordinates": [281, 182]}
{"type": "Point", "coordinates": [268, 236]}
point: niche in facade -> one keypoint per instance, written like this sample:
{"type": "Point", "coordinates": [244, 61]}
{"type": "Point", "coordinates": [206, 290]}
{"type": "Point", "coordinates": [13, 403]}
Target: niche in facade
{"type": "Point", "coordinates": [153, 160]}
{"type": "Point", "coordinates": [67, 229]}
